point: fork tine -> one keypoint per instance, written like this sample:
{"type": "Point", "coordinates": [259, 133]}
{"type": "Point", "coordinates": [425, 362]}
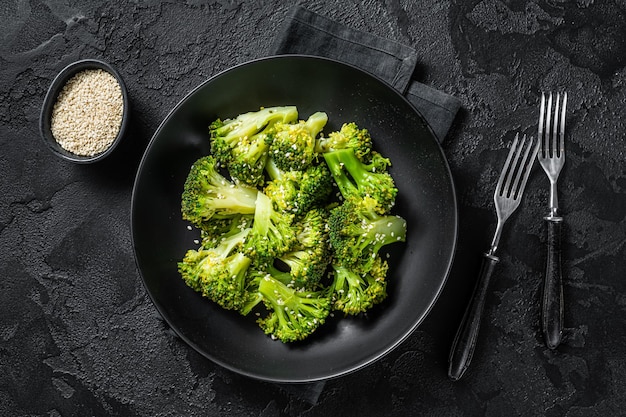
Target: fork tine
{"type": "Point", "coordinates": [546, 141]}
{"type": "Point", "coordinates": [525, 167]}
{"type": "Point", "coordinates": [500, 189]}
{"type": "Point", "coordinates": [542, 113]}
{"type": "Point", "coordinates": [519, 169]}
{"type": "Point", "coordinates": [562, 131]}
{"type": "Point", "coordinates": [555, 128]}
{"type": "Point", "coordinates": [514, 170]}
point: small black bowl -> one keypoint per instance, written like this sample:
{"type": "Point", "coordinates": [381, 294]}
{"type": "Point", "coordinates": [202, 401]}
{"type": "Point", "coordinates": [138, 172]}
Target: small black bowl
{"type": "Point", "coordinates": [55, 88]}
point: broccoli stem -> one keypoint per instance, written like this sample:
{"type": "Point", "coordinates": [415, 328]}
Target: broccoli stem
{"type": "Point", "coordinates": [347, 170]}
{"type": "Point", "coordinates": [273, 171]}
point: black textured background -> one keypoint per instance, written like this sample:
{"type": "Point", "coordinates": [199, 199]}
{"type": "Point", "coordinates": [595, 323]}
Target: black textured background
{"type": "Point", "coordinates": [78, 335]}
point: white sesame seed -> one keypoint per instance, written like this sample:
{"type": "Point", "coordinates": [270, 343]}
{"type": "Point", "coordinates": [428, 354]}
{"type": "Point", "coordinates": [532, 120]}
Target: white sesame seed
{"type": "Point", "coordinates": [87, 114]}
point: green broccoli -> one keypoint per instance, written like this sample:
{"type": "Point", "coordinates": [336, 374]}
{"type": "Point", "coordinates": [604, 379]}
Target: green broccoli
{"type": "Point", "coordinates": [293, 144]}
{"type": "Point", "coordinates": [357, 180]}
{"type": "Point", "coordinates": [349, 136]}
{"type": "Point", "coordinates": [242, 144]}
{"type": "Point", "coordinates": [293, 314]}
{"type": "Point", "coordinates": [219, 272]}
{"type": "Point", "coordinates": [252, 297]}
{"type": "Point", "coordinates": [213, 230]}
{"type": "Point", "coordinates": [272, 234]}
{"type": "Point", "coordinates": [297, 192]}
{"type": "Point", "coordinates": [207, 194]}
{"type": "Point", "coordinates": [357, 233]}
{"type": "Point", "coordinates": [355, 293]}
{"type": "Point", "coordinates": [273, 238]}
{"type": "Point", "coordinates": [309, 260]}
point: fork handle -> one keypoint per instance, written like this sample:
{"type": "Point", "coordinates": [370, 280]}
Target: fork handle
{"type": "Point", "coordinates": [467, 333]}
{"type": "Point", "coordinates": [552, 305]}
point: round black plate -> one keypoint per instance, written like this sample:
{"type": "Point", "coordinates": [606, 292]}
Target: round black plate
{"type": "Point", "coordinates": [426, 198]}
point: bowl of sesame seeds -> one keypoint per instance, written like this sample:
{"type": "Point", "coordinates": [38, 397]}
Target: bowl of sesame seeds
{"type": "Point", "coordinates": [85, 112]}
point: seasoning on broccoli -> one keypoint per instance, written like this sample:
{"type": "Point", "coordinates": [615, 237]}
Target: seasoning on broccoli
{"type": "Point", "coordinates": [293, 314]}
{"type": "Point", "coordinates": [311, 256]}
{"type": "Point", "coordinates": [207, 193]}
{"type": "Point", "coordinates": [292, 222]}
{"type": "Point", "coordinates": [299, 191]}
{"type": "Point", "coordinates": [242, 144]}
{"type": "Point", "coordinates": [354, 292]}
{"type": "Point", "coordinates": [272, 234]}
{"type": "Point", "coordinates": [350, 136]}
{"type": "Point", "coordinates": [357, 233]}
{"type": "Point", "coordinates": [358, 180]}
{"type": "Point", "coordinates": [218, 269]}
{"type": "Point", "coordinates": [293, 144]}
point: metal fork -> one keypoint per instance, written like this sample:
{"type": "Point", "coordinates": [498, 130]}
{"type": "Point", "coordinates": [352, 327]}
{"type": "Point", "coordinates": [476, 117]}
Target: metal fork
{"type": "Point", "coordinates": [552, 158]}
{"type": "Point", "coordinates": [507, 197]}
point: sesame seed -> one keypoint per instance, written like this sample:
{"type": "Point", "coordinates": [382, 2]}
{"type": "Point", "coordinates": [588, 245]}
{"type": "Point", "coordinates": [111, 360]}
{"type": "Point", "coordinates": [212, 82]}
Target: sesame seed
{"type": "Point", "coordinates": [87, 114]}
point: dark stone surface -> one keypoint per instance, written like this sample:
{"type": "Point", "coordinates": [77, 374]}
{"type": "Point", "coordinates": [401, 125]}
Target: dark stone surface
{"type": "Point", "coordinates": [78, 335]}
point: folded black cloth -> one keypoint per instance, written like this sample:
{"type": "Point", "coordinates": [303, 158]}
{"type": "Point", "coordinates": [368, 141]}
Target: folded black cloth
{"type": "Point", "coordinates": [308, 33]}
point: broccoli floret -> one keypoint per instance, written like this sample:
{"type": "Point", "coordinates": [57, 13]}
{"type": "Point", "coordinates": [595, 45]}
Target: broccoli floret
{"type": "Point", "coordinates": [357, 233]}
{"type": "Point", "coordinates": [207, 193]}
{"type": "Point", "coordinates": [349, 136]}
{"type": "Point", "coordinates": [306, 267]}
{"type": "Point", "coordinates": [273, 238]}
{"type": "Point", "coordinates": [242, 144]}
{"type": "Point", "coordinates": [312, 229]}
{"type": "Point", "coordinates": [312, 254]}
{"type": "Point", "coordinates": [248, 159]}
{"type": "Point", "coordinates": [355, 293]}
{"type": "Point", "coordinates": [293, 314]}
{"type": "Point", "coordinates": [357, 180]}
{"type": "Point", "coordinates": [212, 231]}
{"type": "Point", "coordinates": [252, 296]}
{"type": "Point", "coordinates": [293, 144]}
{"type": "Point", "coordinates": [219, 272]}
{"type": "Point", "coordinates": [272, 233]}
{"type": "Point", "coordinates": [297, 192]}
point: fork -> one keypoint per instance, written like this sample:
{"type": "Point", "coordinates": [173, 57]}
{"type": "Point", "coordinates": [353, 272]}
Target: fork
{"type": "Point", "coordinates": [552, 158]}
{"type": "Point", "coordinates": [507, 197]}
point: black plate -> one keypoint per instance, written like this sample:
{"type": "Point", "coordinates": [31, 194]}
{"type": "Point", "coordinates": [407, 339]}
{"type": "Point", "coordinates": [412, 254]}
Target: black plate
{"type": "Point", "coordinates": [426, 198]}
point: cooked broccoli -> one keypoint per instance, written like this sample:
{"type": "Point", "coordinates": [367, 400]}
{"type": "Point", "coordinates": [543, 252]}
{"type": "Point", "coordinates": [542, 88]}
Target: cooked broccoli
{"type": "Point", "coordinates": [293, 144]}
{"type": "Point", "coordinates": [355, 293]}
{"type": "Point", "coordinates": [357, 180]}
{"type": "Point", "coordinates": [252, 297]}
{"type": "Point", "coordinates": [312, 229]}
{"type": "Point", "coordinates": [272, 233]}
{"type": "Point", "coordinates": [306, 267]}
{"type": "Point", "coordinates": [311, 256]}
{"type": "Point", "coordinates": [294, 314]}
{"type": "Point", "coordinates": [273, 237]}
{"type": "Point", "coordinates": [219, 272]}
{"type": "Point", "coordinates": [357, 233]}
{"type": "Point", "coordinates": [349, 136]}
{"type": "Point", "coordinates": [242, 144]}
{"type": "Point", "coordinates": [207, 193]}
{"type": "Point", "coordinates": [248, 159]}
{"type": "Point", "coordinates": [297, 192]}
{"type": "Point", "coordinates": [213, 230]}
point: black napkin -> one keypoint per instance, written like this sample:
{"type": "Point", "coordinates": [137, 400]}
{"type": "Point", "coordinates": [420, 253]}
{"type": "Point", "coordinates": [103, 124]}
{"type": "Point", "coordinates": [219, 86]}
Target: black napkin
{"type": "Point", "coordinates": [308, 33]}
